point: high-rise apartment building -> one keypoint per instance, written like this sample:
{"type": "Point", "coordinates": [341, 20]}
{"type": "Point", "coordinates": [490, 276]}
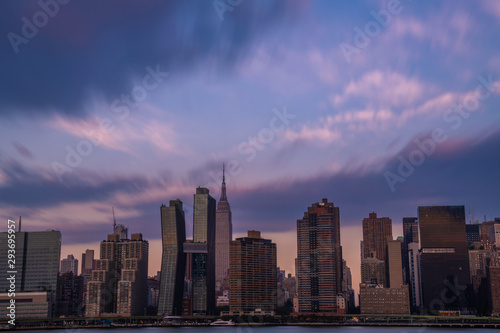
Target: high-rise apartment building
{"type": "Point", "coordinates": [375, 233]}
{"type": "Point", "coordinates": [119, 280]}
{"type": "Point", "coordinates": [444, 259]}
{"type": "Point", "coordinates": [69, 264]}
{"type": "Point", "coordinates": [319, 258]}
{"type": "Point", "coordinates": [173, 265]}
{"type": "Point", "coordinates": [223, 234]}
{"type": "Point", "coordinates": [253, 282]}
{"type": "Point", "coordinates": [203, 253]}
{"type": "Point", "coordinates": [493, 279]}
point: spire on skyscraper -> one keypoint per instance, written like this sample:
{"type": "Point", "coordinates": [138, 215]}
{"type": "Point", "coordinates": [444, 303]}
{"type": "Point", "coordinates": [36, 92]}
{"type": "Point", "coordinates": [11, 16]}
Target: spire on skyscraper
{"type": "Point", "coordinates": [223, 196]}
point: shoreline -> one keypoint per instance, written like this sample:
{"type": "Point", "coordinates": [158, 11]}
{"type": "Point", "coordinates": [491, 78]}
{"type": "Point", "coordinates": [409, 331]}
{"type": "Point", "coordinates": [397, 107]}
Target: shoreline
{"type": "Point", "coordinates": [305, 324]}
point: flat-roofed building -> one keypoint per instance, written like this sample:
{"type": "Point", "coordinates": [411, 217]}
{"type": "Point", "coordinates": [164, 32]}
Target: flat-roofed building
{"type": "Point", "coordinates": [253, 282]}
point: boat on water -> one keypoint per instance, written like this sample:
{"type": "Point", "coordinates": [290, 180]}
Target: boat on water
{"type": "Point", "coordinates": [220, 322]}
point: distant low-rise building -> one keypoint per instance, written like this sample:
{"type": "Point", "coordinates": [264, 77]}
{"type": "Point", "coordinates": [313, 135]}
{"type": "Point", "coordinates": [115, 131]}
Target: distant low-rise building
{"type": "Point", "coordinates": [374, 299]}
{"type": "Point", "coordinates": [30, 305]}
{"type": "Point", "coordinates": [69, 264]}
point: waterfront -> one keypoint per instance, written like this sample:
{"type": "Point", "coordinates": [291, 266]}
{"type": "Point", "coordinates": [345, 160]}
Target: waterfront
{"type": "Point", "coordinates": [273, 329]}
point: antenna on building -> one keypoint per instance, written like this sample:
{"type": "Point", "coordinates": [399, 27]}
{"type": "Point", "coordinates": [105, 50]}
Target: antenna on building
{"type": "Point", "coordinates": [114, 220]}
{"type": "Point", "coordinates": [20, 223]}
{"type": "Point", "coordinates": [472, 211]}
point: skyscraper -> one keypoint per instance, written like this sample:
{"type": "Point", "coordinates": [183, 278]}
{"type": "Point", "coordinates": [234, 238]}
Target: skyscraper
{"type": "Point", "coordinates": [119, 280]}
{"type": "Point", "coordinates": [375, 233]}
{"type": "Point", "coordinates": [394, 263]}
{"type": "Point", "coordinates": [36, 264]}
{"type": "Point", "coordinates": [444, 259]}
{"type": "Point", "coordinates": [410, 235]}
{"type": "Point", "coordinates": [173, 265]}
{"type": "Point", "coordinates": [253, 282]}
{"type": "Point", "coordinates": [223, 234]}
{"type": "Point", "coordinates": [415, 275]}
{"type": "Point", "coordinates": [203, 253]}
{"type": "Point", "coordinates": [319, 258]}
{"type": "Point", "coordinates": [69, 264]}
{"type": "Point", "coordinates": [37, 261]}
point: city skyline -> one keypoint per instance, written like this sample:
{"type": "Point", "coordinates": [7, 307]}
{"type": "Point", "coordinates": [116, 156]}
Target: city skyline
{"type": "Point", "coordinates": [108, 110]}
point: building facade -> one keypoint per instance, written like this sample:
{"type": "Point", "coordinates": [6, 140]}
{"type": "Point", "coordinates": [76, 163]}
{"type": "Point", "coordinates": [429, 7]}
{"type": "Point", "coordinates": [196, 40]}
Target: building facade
{"type": "Point", "coordinates": [373, 271]}
{"type": "Point", "coordinates": [374, 299]}
{"type": "Point", "coordinates": [69, 264]}
{"type": "Point", "coordinates": [495, 234]}
{"type": "Point", "coordinates": [173, 264]}
{"type": "Point", "coordinates": [69, 295]}
{"type": "Point", "coordinates": [223, 235]}
{"type": "Point", "coordinates": [394, 263]}
{"type": "Point", "coordinates": [203, 265]}
{"type": "Point", "coordinates": [319, 258]}
{"type": "Point", "coordinates": [375, 233]}
{"type": "Point", "coordinates": [493, 280]}
{"type": "Point", "coordinates": [473, 234]}
{"type": "Point", "coordinates": [410, 235]}
{"type": "Point", "coordinates": [253, 283]}
{"type": "Point", "coordinates": [38, 256]}
{"type": "Point", "coordinates": [119, 281]}
{"type": "Point", "coordinates": [415, 284]}
{"type": "Point", "coordinates": [444, 259]}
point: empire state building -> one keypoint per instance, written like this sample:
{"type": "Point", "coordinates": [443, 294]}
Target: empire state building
{"type": "Point", "coordinates": [223, 234]}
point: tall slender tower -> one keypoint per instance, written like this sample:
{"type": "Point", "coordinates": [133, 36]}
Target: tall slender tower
{"type": "Point", "coordinates": [319, 258]}
{"type": "Point", "coordinates": [173, 265]}
{"type": "Point", "coordinates": [223, 233]}
{"type": "Point", "coordinates": [203, 255]}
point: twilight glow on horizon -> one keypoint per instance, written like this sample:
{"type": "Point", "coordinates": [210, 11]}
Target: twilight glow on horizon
{"type": "Point", "coordinates": [376, 105]}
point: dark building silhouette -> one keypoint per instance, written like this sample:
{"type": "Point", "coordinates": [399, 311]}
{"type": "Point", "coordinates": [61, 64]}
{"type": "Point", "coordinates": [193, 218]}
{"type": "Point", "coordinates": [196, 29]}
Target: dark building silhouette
{"type": "Point", "coordinates": [444, 258]}
{"type": "Point", "coordinates": [70, 295]}
{"type": "Point", "coordinates": [473, 234]}
{"type": "Point", "coordinates": [173, 264]}
{"type": "Point", "coordinates": [410, 235]}
{"type": "Point", "coordinates": [253, 281]}
{"type": "Point", "coordinates": [319, 258]}
{"type": "Point", "coordinates": [493, 283]}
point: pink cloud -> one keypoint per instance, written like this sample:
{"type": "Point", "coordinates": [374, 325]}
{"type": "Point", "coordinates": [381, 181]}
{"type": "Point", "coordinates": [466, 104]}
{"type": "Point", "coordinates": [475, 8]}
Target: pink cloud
{"type": "Point", "coordinates": [387, 88]}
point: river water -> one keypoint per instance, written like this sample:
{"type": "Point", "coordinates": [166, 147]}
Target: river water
{"type": "Point", "coordinates": [271, 329]}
